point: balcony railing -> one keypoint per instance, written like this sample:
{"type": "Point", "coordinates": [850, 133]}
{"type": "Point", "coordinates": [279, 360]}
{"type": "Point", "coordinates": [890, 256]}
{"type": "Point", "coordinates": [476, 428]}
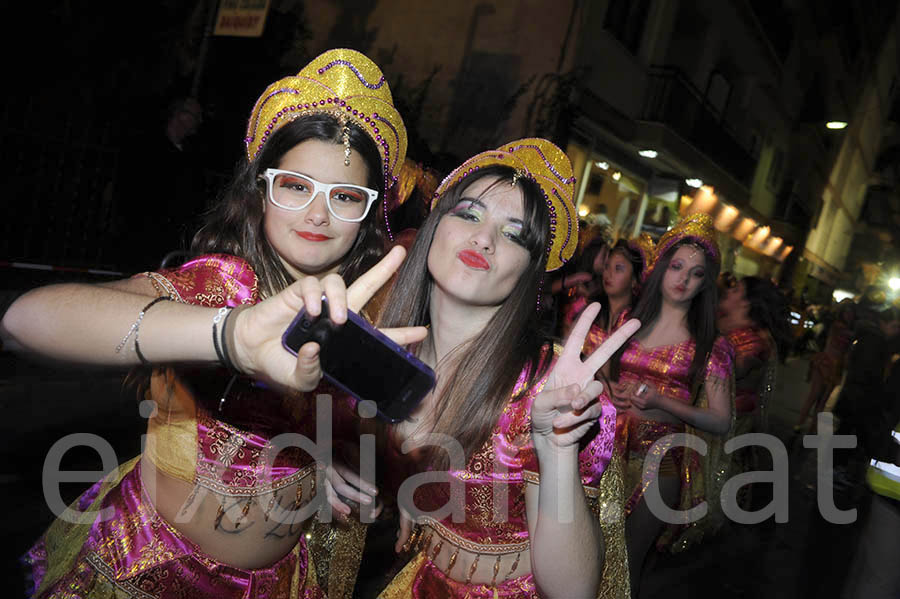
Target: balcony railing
{"type": "Point", "coordinates": [673, 101]}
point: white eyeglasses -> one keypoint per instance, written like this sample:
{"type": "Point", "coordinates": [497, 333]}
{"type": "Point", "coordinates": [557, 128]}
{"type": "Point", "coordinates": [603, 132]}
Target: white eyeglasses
{"type": "Point", "coordinates": [295, 191]}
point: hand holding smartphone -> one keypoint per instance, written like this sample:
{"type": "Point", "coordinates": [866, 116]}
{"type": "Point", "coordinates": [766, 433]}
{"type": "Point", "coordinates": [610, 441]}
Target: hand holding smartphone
{"type": "Point", "coordinates": [363, 362]}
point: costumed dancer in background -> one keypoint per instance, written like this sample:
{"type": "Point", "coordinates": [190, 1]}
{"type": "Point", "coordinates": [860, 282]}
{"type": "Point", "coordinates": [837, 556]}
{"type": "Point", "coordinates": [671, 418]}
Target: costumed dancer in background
{"type": "Point", "coordinates": [616, 289]}
{"type": "Point", "coordinates": [212, 508]}
{"type": "Point", "coordinates": [675, 376]}
{"type": "Point", "coordinates": [753, 316]}
{"type": "Point", "coordinates": [827, 366]}
{"type": "Point", "coordinates": [522, 416]}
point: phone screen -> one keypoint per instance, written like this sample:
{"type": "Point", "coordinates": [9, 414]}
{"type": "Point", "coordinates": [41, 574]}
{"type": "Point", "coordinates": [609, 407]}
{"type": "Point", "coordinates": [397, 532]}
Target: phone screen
{"type": "Point", "coordinates": [364, 362]}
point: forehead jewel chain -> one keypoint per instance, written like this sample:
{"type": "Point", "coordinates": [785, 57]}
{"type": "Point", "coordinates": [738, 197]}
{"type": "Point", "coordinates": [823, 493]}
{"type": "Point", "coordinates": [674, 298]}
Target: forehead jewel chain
{"type": "Point", "coordinates": [345, 136]}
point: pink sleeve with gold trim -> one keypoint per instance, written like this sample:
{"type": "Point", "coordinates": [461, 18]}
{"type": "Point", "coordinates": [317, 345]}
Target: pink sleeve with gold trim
{"type": "Point", "coordinates": [212, 280]}
{"type": "Point", "coordinates": [721, 359]}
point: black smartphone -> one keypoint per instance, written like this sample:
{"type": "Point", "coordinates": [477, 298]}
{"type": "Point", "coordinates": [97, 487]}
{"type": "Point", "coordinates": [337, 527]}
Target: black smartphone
{"type": "Point", "coordinates": [362, 361]}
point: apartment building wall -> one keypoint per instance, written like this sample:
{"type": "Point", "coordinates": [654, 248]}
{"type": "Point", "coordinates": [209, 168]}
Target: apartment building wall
{"type": "Point", "coordinates": [873, 90]}
{"type": "Point", "coordinates": [489, 60]}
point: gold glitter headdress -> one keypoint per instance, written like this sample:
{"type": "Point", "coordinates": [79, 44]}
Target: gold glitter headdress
{"type": "Point", "coordinates": [645, 248]}
{"type": "Point", "coordinates": [698, 228]}
{"type": "Point", "coordinates": [339, 82]}
{"type": "Point", "coordinates": [549, 167]}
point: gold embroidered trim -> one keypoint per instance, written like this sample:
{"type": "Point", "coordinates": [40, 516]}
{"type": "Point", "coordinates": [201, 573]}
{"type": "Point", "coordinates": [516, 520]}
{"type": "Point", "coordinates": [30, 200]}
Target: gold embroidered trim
{"type": "Point", "coordinates": [470, 546]}
{"type": "Point", "coordinates": [163, 282]}
{"type": "Point", "coordinates": [269, 487]}
{"type": "Point", "coordinates": [107, 572]}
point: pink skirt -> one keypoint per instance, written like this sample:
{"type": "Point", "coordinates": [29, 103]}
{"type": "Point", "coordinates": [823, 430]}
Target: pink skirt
{"type": "Point", "coordinates": [136, 553]}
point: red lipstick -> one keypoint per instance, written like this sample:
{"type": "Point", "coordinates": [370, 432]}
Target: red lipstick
{"type": "Point", "coordinates": [309, 236]}
{"type": "Point", "coordinates": [473, 259]}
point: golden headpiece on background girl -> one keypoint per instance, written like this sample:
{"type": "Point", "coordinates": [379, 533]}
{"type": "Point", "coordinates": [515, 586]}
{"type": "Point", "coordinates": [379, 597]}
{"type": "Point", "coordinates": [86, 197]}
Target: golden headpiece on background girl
{"type": "Point", "coordinates": [644, 246]}
{"type": "Point", "coordinates": [697, 228]}
{"type": "Point", "coordinates": [340, 82]}
{"type": "Point", "coordinates": [549, 167]}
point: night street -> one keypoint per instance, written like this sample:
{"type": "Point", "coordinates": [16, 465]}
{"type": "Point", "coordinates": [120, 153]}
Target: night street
{"type": "Point", "coordinates": [696, 188]}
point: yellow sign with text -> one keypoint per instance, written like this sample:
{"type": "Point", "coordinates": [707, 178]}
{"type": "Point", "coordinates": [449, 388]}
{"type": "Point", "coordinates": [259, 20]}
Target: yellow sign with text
{"type": "Point", "coordinates": [241, 18]}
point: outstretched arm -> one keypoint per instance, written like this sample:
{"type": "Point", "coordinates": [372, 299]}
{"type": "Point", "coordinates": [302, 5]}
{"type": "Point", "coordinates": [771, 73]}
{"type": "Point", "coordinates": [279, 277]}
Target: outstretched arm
{"type": "Point", "coordinates": [566, 542]}
{"type": "Point", "coordinates": [87, 323]}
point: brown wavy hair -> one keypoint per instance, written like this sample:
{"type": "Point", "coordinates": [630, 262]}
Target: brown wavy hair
{"type": "Point", "coordinates": [482, 373]}
{"type": "Point", "coordinates": [235, 225]}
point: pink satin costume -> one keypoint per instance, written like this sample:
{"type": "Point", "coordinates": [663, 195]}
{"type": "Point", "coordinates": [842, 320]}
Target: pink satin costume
{"type": "Point", "coordinates": [135, 552]}
{"type": "Point", "coordinates": [666, 368]}
{"type": "Point", "coordinates": [749, 343]}
{"type": "Point", "coordinates": [508, 459]}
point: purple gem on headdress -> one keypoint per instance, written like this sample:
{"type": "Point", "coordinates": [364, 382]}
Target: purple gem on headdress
{"type": "Point", "coordinates": [553, 228]}
{"type": "Point", "coordinates": [374, 115]}
{"type": "Point", "coordinates": [248, 140]}
{"type": "Point", "coordinates": [306, 105]}
{"type": "Point", "coordinates": [377, 138]}
{"type": "Point", "coordinates": [376, 130]}
{"type": "Point", "coordinates": [337, 99]}
{"type": "Point", "coordinates": [321, 71]}
{"type": "Point", "coordinates": [278, 113]}
{"type": "Point", "coordinates": [354, 112]}
{"type": "Point", "coordinates": [343, 102]}
{"type": "Point", "coordinates": [329, 100]}
{"type": "Point", "coordinates": [348, 108]}
{"type": "Point", "coordinates": [356, 72]}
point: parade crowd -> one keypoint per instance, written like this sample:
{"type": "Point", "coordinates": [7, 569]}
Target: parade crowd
{"type": "Point", "coordinates": [576, 374]}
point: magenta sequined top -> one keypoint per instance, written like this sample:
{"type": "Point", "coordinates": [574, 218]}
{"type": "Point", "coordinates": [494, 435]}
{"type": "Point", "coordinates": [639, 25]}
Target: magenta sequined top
{"type": "Point", "coordinates": [229, 450]}
{"type": "Point", "coordinates": [132, 550]}
{"type": "Point", "coordinates": [508, 461]}
{"type": "Point", "coordinates": [667, 366]}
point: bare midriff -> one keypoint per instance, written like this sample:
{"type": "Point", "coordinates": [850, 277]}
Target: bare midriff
{"type": "Point", "coordinates": [247, 532]}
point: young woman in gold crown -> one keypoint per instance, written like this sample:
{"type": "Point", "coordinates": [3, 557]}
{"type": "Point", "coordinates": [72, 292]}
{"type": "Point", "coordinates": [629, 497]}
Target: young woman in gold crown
{"type": "Point", "coordinates": [505, 473]}
{"type": "Point", "coordinates": [212, 508]}
{"type": "Point", "coordinates": [674, 376]}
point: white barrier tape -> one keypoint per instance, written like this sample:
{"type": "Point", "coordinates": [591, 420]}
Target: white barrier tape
{"type": "Point", "coordinates": [48, 267]}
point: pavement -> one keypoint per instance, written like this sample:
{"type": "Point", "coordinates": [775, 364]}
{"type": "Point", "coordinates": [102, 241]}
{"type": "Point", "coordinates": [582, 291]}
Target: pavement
{"type": "Point", "coordinates": [802, 557]}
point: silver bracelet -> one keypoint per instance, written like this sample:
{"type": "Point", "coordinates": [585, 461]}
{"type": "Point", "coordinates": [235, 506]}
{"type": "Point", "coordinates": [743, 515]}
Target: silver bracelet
{"type": "Point", "coordinates": [135, 330]}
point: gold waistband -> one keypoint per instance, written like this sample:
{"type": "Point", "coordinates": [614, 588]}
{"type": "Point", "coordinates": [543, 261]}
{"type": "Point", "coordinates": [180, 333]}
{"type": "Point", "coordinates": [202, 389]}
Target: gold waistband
{"type": "Point", "coordinates": [431, 538]}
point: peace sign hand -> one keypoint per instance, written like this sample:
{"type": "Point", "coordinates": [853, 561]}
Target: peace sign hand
{"type": "Point", "coordinates": [566, 408]}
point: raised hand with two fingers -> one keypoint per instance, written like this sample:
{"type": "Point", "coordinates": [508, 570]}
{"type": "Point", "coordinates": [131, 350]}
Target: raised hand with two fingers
{"type": "Point", "coordinates": [258, 329]}
{"type": "Point", "coordinates": [567, 406]}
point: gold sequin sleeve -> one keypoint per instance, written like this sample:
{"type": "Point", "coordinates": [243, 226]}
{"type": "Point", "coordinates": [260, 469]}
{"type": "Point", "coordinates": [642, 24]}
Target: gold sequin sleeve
{"type": "Point", "coordinates": [609, 507]}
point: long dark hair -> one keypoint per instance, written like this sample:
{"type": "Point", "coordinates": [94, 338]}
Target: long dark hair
{"type": "Point", "coordinates": [701, 317]}
{"type": "Point", "coordinates": [235, 225]}
{"type": "Point", "coordinates": [622, 248]}
{"type": "Point", "coordinates": [768, 309]}
{"type": "Point", "coordinates": [484, 370]}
